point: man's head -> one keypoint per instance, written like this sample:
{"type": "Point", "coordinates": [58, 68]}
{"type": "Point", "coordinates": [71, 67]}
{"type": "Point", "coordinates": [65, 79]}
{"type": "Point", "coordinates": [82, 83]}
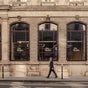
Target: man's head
{"type": "Point", "coordinates": [51, 59]}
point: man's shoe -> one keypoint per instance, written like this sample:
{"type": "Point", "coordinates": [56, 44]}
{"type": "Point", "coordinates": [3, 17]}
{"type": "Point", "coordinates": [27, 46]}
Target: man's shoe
{"type": "Point", "coordinates": [56, 77]}
{"type": "Point", "coordinates": [47, 77]}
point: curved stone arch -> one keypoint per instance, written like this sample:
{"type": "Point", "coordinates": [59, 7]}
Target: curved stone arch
{"type": "Point", "coordinates": [49, 22]}
{"type": "Point", "coordinates": [81, 22]}
{"type": "Point", "coordinates": [19, 22]}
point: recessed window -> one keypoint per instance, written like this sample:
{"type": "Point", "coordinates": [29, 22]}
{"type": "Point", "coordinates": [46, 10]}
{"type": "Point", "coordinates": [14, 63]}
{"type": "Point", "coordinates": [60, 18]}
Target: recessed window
{"type": "Point", "coordinates": [76, 42]}
{"type": "Point", "coordinates": [19, 41]}
{"type": "Point", "coordinates": [47, 43]}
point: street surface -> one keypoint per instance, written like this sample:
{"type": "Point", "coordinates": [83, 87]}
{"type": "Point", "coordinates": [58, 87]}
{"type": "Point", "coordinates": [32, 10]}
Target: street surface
{"type": "Point", "coordinates": [43, 84]}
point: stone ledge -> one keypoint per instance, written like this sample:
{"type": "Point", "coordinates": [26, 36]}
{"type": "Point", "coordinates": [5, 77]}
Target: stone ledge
{"type": "Point", "coordinates": [50, 8]}
{"type": "Point", "coordinates": [4, 7]}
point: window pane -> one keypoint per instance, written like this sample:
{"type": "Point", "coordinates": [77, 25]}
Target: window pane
{"type": "Point", "coordinates": [78, 36]}
{"type": "Point", "coordinates": [19, 36]}
{"type": "Point", "coordinates": [76, 26]}
{"type": "Point", "coordinates": [74, 51]}
{"type": "Point", "coordinates": [21, 51]}
{"type": "Point", "coordinates": [47, 36]}
{"type": "Point", "coordinates": [47, 26]}
{"type": "Point", "coordinates": [47, 50]}
{"type": "Point", "coordinates": [54, 35]}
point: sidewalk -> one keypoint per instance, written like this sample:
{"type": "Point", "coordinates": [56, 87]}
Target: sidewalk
{"type": "Point", "coordinates": [44, 79]}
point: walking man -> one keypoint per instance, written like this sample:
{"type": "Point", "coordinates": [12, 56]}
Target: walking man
{"type": "Point", "coordinates": [51, 69]}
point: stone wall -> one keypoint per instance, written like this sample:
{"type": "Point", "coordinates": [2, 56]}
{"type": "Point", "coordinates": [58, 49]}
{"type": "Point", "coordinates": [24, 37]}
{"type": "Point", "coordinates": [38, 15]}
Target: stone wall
{"type": "Point", "coordinates": [35, 67]}
{"type": "Point", "coordinates": [71, 70]}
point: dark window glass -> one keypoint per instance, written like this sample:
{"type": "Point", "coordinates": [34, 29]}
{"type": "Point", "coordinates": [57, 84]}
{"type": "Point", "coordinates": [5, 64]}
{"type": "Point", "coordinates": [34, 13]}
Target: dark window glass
{"type": "Point", "coordinates": [19, 45]}
{"type": "Point", "coordinates": [47, 42]}
{"type": "Point", "coordinates": [47, 26]}
{"type": "Point", "coordinates": [76, 42]}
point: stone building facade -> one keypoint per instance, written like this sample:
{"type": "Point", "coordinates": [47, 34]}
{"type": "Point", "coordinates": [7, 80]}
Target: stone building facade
{"type": "Point", "coordinates": [32, 31]}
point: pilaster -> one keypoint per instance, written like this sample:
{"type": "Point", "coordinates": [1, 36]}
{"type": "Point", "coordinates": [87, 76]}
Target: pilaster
{"type": "Point", "coordinates": [33, 41]}
{"type": "Point", "coordinates": [5, 39]}
{"type": "Point", "coordinates": [6, 2]}
{"type": "Point", "coordinates": [62, 42]}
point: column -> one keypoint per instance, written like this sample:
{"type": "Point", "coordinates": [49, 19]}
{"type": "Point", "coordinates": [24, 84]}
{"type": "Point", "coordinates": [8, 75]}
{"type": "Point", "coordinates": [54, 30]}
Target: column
{"type": "Point", "coordinates": [33, 41]}
{"type": "Point", "coordinates": [6, 2]}
{"type": "Point", "coordinates": [5, 40]}
{"type": "Point", "coordinates": [62, 42]}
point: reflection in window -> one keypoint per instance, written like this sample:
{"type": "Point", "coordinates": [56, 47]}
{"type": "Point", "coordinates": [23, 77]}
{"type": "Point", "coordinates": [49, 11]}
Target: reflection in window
{"type": "Point", "coordinates": [19, 41]}
{"type": "Point", "coordinates": [47, 41]}
{"type": "Point", "coordinates": [76, 41]}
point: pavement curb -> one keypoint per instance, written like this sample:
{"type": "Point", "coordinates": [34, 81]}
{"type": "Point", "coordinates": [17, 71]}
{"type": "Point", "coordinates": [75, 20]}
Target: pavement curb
{"type": "Point", "coordinates": [44, 80]}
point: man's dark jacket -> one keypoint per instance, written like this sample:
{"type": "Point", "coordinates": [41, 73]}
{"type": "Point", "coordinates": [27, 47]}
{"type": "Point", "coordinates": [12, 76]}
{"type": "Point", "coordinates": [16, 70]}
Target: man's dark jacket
{"type": "Point", "coordinates": [51, 65]}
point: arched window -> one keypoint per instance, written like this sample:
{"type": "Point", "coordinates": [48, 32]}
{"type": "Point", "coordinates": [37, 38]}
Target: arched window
{"type": "Point", "coordinates": [19, 41]}
{"type": "Point", "coordinates": [76, 41]}
{"type": "Point", "coordinates": [47, 41]}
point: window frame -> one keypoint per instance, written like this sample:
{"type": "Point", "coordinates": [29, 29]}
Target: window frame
{"type": "Point", "coordinates": [48, 41]}
{"type": "Point", "coordinates": [21, 42]}
{"type": "Point", "coordinates": [84, 41]}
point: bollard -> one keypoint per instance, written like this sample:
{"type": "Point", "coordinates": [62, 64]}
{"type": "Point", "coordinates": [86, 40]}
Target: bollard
{"type": "Point", "coordinates": [61, 71]}
{"type": "Point", "coordinates": [2, 71]}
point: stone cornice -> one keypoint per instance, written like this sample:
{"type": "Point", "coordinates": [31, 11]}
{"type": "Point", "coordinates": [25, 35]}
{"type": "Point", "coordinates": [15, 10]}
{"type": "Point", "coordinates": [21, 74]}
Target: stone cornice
{"type": "Point", "coordinates": [4, 7]}
{"type": "Point", "coordinates": [44, 8]}
{"type": "Point", "coordinates": [50, 8]}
